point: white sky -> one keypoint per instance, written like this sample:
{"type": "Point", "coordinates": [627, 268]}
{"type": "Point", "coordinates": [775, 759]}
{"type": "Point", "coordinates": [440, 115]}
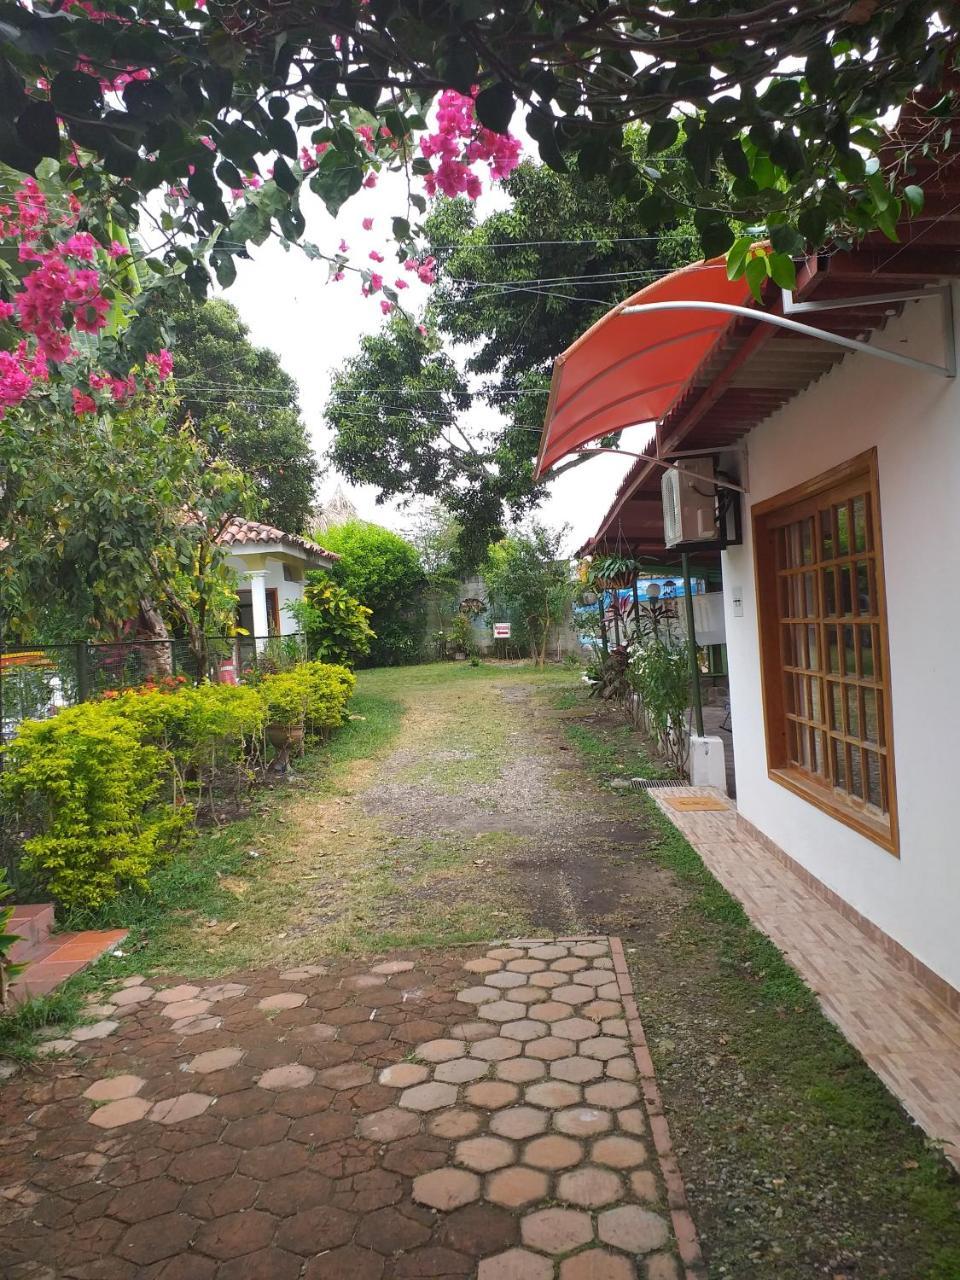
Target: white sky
{"type": "Point", "coordinates": [313, 326]}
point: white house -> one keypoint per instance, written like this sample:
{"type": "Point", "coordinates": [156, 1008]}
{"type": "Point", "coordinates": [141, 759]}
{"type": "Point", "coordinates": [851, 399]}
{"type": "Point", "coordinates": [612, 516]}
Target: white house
{"type": "Point", "coordinates": [273, 565]}
{"type": "Point", "coordinates": [841, 614]}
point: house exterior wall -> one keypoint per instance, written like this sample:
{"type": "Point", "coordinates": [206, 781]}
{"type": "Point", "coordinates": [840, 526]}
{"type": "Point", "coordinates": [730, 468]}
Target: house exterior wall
{"type": "Point", "coordinates": [271, 564]}
{"type": "Point", "coordinates": [913, 420]}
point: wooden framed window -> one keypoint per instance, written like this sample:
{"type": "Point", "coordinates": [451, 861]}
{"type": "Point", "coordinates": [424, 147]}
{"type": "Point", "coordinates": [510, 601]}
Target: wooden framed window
{"type": "Point", "coordinates": [823, 647]}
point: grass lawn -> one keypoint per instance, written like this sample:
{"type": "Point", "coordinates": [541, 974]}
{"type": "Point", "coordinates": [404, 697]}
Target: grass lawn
{"type": "Point", "coordinates": [798, 1162]}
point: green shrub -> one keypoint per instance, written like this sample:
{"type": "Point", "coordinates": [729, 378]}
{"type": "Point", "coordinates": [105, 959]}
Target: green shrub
{"type": "Point", "coordinates": [8, 969]}
{"type": "Point", "coordinates": [285, 697]}
{"type": "Point", "coordinates": [329, 687]}
{"type": "Point", "coordinates": [86, 789]}
{"type": "Point", "coordinates": [335, 624]}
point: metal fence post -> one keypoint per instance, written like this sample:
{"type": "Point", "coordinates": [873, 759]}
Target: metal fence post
{"type": "Point", "coordinates": [83, 671]}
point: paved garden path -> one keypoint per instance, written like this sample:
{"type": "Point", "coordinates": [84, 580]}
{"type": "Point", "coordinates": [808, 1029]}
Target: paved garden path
{"type": "Point", "coordinates": [486, 1112]}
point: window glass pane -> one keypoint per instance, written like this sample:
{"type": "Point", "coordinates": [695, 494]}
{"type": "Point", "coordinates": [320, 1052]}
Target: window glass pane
{"type": "Point", "coordinates": [874, 780]}
{"type": "Point", "coordinates": [833, 649]}
{"type": "Point", "coordinates": [872, 726]}
{"type": "Point", "coordinates": [806, 539]}
{"type": "Point", "coordinates": [864, 591]}
{"type": "Point", "coordinates": [793, 533]}
{"type": "Point", "coordinates": [856, 773]}
{"type": "Point", "coordinates": [865, 636]}
{"type": "Point", "coordinates": [836, 706]}
{"type": "Point", "coordinates": [819, 757]}
{"type": "Point", "coordinates": [875, 653]}
{"type": "Point", "coordinates": [829, 580]}
{"type": "Point", "coordinates": [805, 746]}
{"type": "Point", "coordinates": [843, 529]}
{"type": "Point", "coordinates": [853, 710]}
{"type": "Point", "coordinates": [849, 652]}
{"type": "Point", "coordinates": [826, 535]}
{"type": "Point", "coordinates": [846, 590]}
{"type": "Point", "coordinates": [792, 755]}
{"type": "Point", "coordinates": [860, 523]}
{"type": "Point", "coordinates": [799, 646]}
{"type": "Point", "coordinates": [813, 647]}
{"type": "Point", "coordinates": [809, 595]}
{"type": "Point", "coordinates": [839, 761]}
{"type": "Point", "coordinates": [816, 703]}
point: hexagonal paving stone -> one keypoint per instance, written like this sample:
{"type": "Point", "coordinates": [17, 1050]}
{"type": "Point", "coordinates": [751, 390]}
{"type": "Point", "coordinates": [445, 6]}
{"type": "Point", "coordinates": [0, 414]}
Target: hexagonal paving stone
{"type": "Point", "coordinates": [621, 1069]}
{"type": "Point", "coordinates": [575, 1029]}
{"type": "Point", "coordinates": [404, 1074]}
{"type": "Point", "coordinates": [597, 1264]}
{"type": "Point", "coordinates": [176, 995]}
{"type": "Point", "coordinates": [515, 1264]}
{"type": "Point", "coordinates": [145, 1200]}
{"type": "Point", "coordinates": [293, 1075]}
{"type": "Point", "coordinates": [549, 951]}
{"type": "Point", "coordinates": [556, 1230]}
{"type": "Point", "coordinates": [604, 1047]}
{"type": "Point", "coordinates": [615, 1027]}
{"type": "Point", "coordinates": [214, 1060]}
{"type": "Point", "coordinates": [460, 1071]}
{"type": "Point", "coordinates": [132, 995]}
{"type": "Point", "coordinates": [576, 1069]}
{"type": "Point", "coordinates": [583, 1122]}
{"type": "Point", "coordinates": [186, 1009]}
{"type": "Point", "coordinates": [593, 977]}
{"type": "Point", "coordinates": [184, 1107]}
{"type": "Point", "coordinates": [520, 1070]}
{"type": "Point", "coordinates": [519, 1122]}
{"type": "Point", "coordinates": [526, 965]}
{"type": "Point", "coordinates": [643, 1184]}
{"type": "Point", "coordinates": [482, 966]}
{"type": "Point", "coordinates": [446, 1189]}
{"type": "Point", "coordinates": [456, 1123]}
{"type": "Point", "coordinates": [571, 964]}
{"type": "Point", "coordinates": [530, 995]}
{"type": "Point", "coordinates": [492, 1094]}
{"type": "Point", "coordinates": [552, 1010]}
{"type": "Point", "coordinates": [590, 949]}
{"type": "Point", "coordinates": [98, 1030]}
{"type": "Point", "coordinates": [632, 1120]}
{"type": "Point", "coordinates": [611, 1093]}
{"type": "Point", "coordinates": [548, 979]}
{"type": "Point", "coordinates": [503, 1010]}
{"type": "Point", "coordinates": [517, 1186]}
{"type": "Point", "coordinates": [589, 1187]}
{"type": "Point", "coordinates": [393, 966]}
{"type": "Point", "coordinates": [633, 1229]}
{"type": "Point", "coordinates": [525, 1029]}
{"type": "Point", "coordinates": [158, 1238]}
{"type": "Point", "coordinates": [495, 1049]}
{"type": "Point", "coordinates": [598, 1009]}
{"type": "Point", "coordinates": [112, 1088]}
{"type": "Point", "coordinates": [553, 1152]}
{"type": "Point", "coordinates": [553, 1093]}
{"type": "Point", "coordinates": [389, 1125]}
{"type": "Point", "coordinates": [116, 1114]}
{"type": "Point", "coordinates": [478, 995]}
{"type": "Point", "coordinates": [549, 1048]}
{"type": "Point", "coordinates": [473, 1030]}
{"type": "Point", "coordinates": [619, 1152]}
{"type": "Point", "coordinates": [483, 1155]}
{"type": "Point", "coordinates": [441, 1050]}
{"type": "Point", "coordinates": [506, 979]}
{"type": "Point", "coordinates": [572, 994]}
{"type": "Point", "coordinates": [282, 1000]}
{"type": "Point", "coordinates": [428, 1097]}
{"type": "Point", "coordinates": [223, 991]}
{"type": "Point", "coordinates": [505, 953]}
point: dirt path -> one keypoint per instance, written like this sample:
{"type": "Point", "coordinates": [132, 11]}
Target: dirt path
{"type": "Point", "coordinates": [478, 822]}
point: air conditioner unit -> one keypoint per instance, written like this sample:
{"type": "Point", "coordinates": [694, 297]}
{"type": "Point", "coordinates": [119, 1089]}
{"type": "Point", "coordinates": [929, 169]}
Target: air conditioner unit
{"type": "Point", "coordinates": [690, 505]}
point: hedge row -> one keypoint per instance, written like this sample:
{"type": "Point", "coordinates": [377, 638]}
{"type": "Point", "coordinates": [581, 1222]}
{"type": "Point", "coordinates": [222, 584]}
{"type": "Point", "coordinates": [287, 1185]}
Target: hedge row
{"type": "Point", "coordinates": [103, 791]}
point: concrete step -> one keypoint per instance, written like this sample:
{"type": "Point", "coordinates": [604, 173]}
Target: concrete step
{"type": "Point", "coordinates": [33, 923]}
{"type": "Point", "coordinates": [51, 958]}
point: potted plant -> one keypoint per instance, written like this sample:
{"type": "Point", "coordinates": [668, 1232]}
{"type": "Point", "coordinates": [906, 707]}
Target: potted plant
{"type": "Point", "coordinates": [461, 636]}
{"type": "Point", "coordinates": [285, 696]}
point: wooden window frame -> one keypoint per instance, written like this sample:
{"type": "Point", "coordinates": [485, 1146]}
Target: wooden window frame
{"type": "Point", "coordinates": [273, 610]}
{"type": "Point", "coordinates": [767, 517]}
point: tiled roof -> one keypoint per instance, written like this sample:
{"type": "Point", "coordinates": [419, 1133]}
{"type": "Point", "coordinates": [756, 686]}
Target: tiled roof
{"type": "Point", "coordinates": [246, 533]}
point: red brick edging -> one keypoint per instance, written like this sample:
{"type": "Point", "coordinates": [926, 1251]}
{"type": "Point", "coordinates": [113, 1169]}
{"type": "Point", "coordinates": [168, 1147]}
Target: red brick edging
{"type": "Point", "coordinates": [684, 1229]}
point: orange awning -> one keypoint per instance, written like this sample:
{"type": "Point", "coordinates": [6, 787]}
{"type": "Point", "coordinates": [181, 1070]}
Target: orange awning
{"type": "Point", "coordinates": [629, 369]}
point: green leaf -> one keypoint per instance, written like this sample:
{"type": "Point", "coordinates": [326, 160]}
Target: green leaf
{"type": "Point", "coordinates": [37, 127]}
{"type": "Point", "coordinates": [229, 175]}
{"type": "Point", "coordinates": [363, 87]}
{"type": "Point", "coordinates": [783, 270]}
{"type": "Point", "coordinates": [737, 256]}
{"type": "Point", "coordinates": [225, 268]}
{"type": "Point", "coordinates": [461, 66]}
{"type": "Point", "coordinates": [401, 228]}
{"type": "Point", "coordinates": [820, 71]}
{"type": "Point", "coordinates": [914, 197]}
{"type": "Point", "coordinates": [494, 107]}
{"type": "Point", "coordinates": [757, 273]}
{"type": "Point", "coordinates": [284, 177]}
{"type": "Point", "coordinates": [279, 108]}
{"type": "Point", "coordinates": [735, 158]}
{"type": "Point", "coordinates": [74, 93]}
{"type": "Point", "coordinates": [786, 239]}
{"type": "Point", "coordinates": [716, 237]}
{"type": "Point", "coordinates": [282, 137]}
{"type": "Point", "coordinates": [663, 134]}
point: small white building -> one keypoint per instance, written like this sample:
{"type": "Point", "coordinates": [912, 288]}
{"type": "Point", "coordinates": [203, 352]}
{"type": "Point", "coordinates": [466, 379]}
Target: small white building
{"type": "Point", "coordinates": [272, 567]}
{"type": "Point", "coordinates": [842, 618]}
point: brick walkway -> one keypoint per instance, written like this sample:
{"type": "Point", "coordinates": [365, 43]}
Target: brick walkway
{"type": "Point", "coordinates": [488, 1113]}
{"type": "Point", "coordinates": [905, 1034]}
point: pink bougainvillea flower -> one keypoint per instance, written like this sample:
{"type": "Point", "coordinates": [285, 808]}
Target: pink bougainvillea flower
{"type": "Point", "coordinates": [376, 282]}
{"type": "Point", "coordinates": [375, 257]}
{"type": "Point", "coordinates": [162, 361]}
{"type": "Point", "coordinates": [83, 403]}
{"type": "Point", "coordinates": [344, 247]}
{"type": "Point", "coordinates": [386, 306]}
{"type": "Point", "coordinates": [370, 180]}
{"type": "Point", "coordinates": [368, 224]}
{"type": "Point", "coordinates": [400, 283]}
{"type": "Point", "coordinates": [118, 250]}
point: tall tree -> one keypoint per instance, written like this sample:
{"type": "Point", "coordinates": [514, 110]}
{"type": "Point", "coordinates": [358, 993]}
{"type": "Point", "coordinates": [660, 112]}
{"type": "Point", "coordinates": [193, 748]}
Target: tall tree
{"type": "Point", "coordinates": [516, 288]}
{"type": "Point", "coordinates": [531, 584]}
{"type": "Point", "coordinates": [243, 405]}
{"type": "Point", "coordinates": [775, 103]}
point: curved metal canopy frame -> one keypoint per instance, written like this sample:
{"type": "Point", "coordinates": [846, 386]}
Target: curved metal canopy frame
{"type": "Point", "coordinates": [945, 292]}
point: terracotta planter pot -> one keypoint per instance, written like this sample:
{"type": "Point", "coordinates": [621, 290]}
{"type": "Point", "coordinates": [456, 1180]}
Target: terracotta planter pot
{"type": "Point", "coordinates": [284, 736]}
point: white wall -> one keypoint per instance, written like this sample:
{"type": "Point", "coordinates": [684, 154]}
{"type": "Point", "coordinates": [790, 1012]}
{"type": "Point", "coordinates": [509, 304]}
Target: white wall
{"type": "Point", "coordinates": [913, 419]}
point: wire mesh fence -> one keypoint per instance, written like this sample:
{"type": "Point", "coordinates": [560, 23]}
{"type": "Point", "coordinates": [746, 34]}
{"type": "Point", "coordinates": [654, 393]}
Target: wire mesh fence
{"type": "Point", "coordinates": [38, 680]}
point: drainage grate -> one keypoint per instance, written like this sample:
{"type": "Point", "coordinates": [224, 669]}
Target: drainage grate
{"type": "Point", "coordinates": [655, 784]}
